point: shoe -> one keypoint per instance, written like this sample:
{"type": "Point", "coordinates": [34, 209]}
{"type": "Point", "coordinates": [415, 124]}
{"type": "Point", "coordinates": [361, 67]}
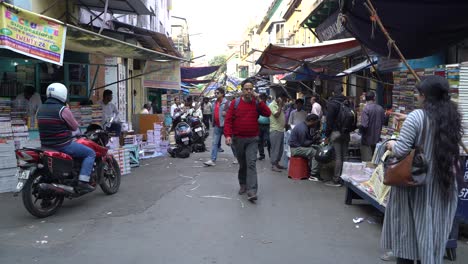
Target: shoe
{"type": "Point", "coordinates": [261, 158]}
{"type": "Point", "coordinates": [333, 184]}
{"type": "Point", "coordinates": [235, 161]}
{"type": "Point", "coordinates": [84, 187]}
{"type": "Point", "coordinates": [313, 178]}
{"type": "Point", "coordinates": [275, 168]}
{"type": "Point", "coordinates": [280, 167]}
{"type": "Point", "coordinates": [251, 197]}
{"type": "Point", "coordinates": [243, 189]}
{"type": "Point", "coordinates": [220, 150]}
{"type": "Point", "coordinates": [209, 163]}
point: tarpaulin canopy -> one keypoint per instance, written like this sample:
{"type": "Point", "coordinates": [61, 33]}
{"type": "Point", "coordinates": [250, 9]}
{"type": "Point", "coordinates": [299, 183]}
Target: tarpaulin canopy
{"type": "Point", "coordinates": [194, 72]}
{"type": "Point", "coordinates": [280, 59]}
{"type": "Point", "coordinates": [302, 73]}
{"type": "Point", "coordinates": [418, 27]}
{"type": "Point", "coordinates": [359, 67]}
{"type": "Point", "coordinates": [195, 81]}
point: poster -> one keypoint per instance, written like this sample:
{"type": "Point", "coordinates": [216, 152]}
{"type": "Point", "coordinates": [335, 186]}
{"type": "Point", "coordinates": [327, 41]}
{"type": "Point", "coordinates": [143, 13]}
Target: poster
{"type": "Point", "coordinates": [122, 95]}
{"type": "Point", "coordinates": [164, 75]}
{"type": "Point", "coordinates": [32, 34]}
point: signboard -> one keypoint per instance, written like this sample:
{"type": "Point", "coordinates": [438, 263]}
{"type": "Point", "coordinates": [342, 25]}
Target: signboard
{"type": "Point", "coordinates": [332, 28]}
{"type": "Point", "coordinates": [32, 34]}
{"type": "Point", "coordinates": [164, 75]}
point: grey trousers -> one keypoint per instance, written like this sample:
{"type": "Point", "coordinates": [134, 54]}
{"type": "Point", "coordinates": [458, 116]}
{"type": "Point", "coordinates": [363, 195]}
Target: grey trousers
{"type": "Point", "coordinates": [367, 152]}
{"type": "Point", "coordinates": [308, 153]}
{"type": "Point", "coordinates": [277, 148]}
{"type": "Point", "coordinates": [340, 143]}
{"type": "Point", "coordinates": [246, 150]}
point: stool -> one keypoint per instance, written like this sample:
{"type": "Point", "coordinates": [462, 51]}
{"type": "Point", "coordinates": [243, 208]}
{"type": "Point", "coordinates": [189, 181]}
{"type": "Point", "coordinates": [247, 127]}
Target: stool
{"type": "Point", "coordinates": [298, 168]}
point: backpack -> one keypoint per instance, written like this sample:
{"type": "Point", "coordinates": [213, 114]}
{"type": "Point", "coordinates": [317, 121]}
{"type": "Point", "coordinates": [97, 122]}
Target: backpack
{"type": "Point", "coordinates": [347, 119]}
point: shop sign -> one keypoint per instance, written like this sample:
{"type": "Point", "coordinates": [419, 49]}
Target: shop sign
{"type": "Point", "coordinates": [331, 28]}
{"type": "Point", "coordinates": [32, 34]}
{"type": "Point", "coordinates": [165, 75]}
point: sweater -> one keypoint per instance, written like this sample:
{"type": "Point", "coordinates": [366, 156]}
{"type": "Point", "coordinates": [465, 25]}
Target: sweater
{"type": "Point", "coordinates": [243, 121]}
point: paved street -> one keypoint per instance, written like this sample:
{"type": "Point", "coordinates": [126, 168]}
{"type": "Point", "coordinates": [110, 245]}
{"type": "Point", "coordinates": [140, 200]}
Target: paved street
{"type": "Point", "coordinates": [177, 211]}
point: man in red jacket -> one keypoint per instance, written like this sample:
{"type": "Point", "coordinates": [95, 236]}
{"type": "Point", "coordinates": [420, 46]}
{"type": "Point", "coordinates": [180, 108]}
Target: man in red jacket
{"type": "Point", "coordinates": [241, 129]}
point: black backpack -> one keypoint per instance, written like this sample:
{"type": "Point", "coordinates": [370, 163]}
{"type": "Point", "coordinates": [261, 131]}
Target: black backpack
{"type": "Point", "coordinates": [347, 118]}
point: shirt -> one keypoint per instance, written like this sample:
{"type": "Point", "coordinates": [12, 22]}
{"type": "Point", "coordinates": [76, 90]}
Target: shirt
{"type": "Point", "coordinates": [144, 112]}
{"type": "Point", "coordinates": [242, 122]}
{"type": "Point", "coordinates": [372, 120]}
{"type": "Point", "coordinates": [276, 123]}
{"type": "Point", "coordinates": [32, 104]}
{"type": "Point", "coordinates": [207, 109]}
{"type": "Point", "coordinates": [173, 108]}
{"type": "Point", "coordinates": [301, 136]}
{"type": "Point", "coordinates": [317, 110]}
{"type": "Point", "coordinates": [216, 114]}
{"type": "Point", "coordinates": [109, 110]}
{"type": "Point", "coordinates": [297, 117]}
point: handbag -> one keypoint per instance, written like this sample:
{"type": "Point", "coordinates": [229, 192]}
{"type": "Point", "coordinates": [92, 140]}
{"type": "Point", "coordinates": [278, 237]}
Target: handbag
{"type": "Point", "coordinates": [410, 170]}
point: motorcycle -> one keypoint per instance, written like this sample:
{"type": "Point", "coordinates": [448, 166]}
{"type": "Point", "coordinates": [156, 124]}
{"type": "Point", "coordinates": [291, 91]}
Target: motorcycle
{"type": "Point", "coordinates": [183, 137]}
{"type": "Point", "coordinates": [47, 176]}
{"type": "Point", "coordinates": [199, 134]}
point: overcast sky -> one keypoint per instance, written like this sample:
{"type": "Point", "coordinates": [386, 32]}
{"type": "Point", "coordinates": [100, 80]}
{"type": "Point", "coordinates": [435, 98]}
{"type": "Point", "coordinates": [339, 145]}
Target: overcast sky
{"type": "Point", "coordinates": [215, 23]}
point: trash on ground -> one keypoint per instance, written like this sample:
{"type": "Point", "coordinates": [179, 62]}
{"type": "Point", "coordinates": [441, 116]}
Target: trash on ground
{"type": "Point", "coordinates": [196, 187]}
{"type": "Point", "coordinates": [43, 221]}
{"type": "Point", "coordinates": [242, 203]}
{"type": "Point", "coordinates": [41, 242]}
{"type": "Point", "coordinates": [357, 226]}
{"type": "Point", "coordinates": [189, 196]}
{"type": "Point", "coordinates": [60, 230]}
{"type": "Point", "coordinates": [217, 196]}
{"type": "Point", "coordinates": [46, 236]}
{"type": "Point", "coordinates": [358, 220]}
{"type": "Point", "coordinates": [109, 213]}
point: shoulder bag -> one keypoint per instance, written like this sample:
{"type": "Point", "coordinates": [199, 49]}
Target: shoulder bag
{"type": "Point", "coordinates": [410, 170]}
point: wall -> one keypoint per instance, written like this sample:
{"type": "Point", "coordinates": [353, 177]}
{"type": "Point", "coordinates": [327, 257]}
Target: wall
{"type": "Point", "coordinates": [57, 10]}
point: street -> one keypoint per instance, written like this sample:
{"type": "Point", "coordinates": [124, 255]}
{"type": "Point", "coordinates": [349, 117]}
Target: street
{"type": "Point", "coordinates": [178, 211]}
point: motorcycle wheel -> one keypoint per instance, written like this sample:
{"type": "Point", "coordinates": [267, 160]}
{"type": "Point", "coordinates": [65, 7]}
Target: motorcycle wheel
{"type": "Point", "coordinates": [49, 203]}
{"type": "Point", "coordinates": [111, 177]}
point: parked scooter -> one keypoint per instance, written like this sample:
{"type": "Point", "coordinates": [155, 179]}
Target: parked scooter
{"type": "Point", "coordinates": [47, 176]}
{"type": "Point", "coordinates": [183, 137]}
{"type": "Point", "coordinates": [199, 134]}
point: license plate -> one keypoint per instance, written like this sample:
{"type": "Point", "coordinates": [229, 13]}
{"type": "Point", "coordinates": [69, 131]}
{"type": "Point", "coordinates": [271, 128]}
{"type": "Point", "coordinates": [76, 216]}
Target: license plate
{"type": "Point", "coordinates": [185, 139]}
{"type": "Point", "coordinates": [197, 129]}
{"type": "Point", "coordinates": [22, 174]}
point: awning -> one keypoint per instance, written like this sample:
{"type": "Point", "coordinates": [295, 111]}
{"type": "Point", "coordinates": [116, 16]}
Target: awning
{"type": "Point", "coordinates": [303, 73]}
{"type": "Point", "coordinates": [150, 39]}
{"type": "Point", "coordinates": [279, 59]}
{"type": "Point", "coordinates": [117, 6]}
{"type": "Point", "coordinates": [195, 72]}
{"type": "Point", "coordinates": [86, 41]}
{"type": "Point", "coordinates": [195, 81]}
{"type": "Point", "coordinates": [359, 67]}
{"type": "Point", "coordinates": [419, 27]}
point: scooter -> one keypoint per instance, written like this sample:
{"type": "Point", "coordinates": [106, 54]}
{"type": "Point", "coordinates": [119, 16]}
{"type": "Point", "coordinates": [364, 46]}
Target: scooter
{"type": "Point", "coordinates": [199, 134]}
{"type": "Point", "coordinates": [183, 137]}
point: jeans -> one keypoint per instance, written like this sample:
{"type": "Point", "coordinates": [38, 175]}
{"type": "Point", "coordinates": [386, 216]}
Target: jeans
{"type": "Point", "coordinates": [308, 153]}
{"type": "Point", "coordinates": [340, 143]}
{"type": "Point", "coordinates": [217, 133]}
{"type": "Point", "coordinates": [115, 128]}
{"type": "Point", "coordinates": [82, 152]}
{"type": "Point", "coordinates": [277, 148]}
{"type": "Point", "coordinates": [246, 149]}
{"type": "Point", "coordinates": [206, 121]}
{"type": "Point", "coordinates": [264, 137]}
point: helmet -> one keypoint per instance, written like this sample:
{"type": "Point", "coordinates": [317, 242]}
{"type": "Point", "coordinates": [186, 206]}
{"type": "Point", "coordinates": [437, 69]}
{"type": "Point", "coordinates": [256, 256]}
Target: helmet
{"type": "Point", "coordinates": [57, 91]}
{"type": "Point", "coordinates": [325, 154]}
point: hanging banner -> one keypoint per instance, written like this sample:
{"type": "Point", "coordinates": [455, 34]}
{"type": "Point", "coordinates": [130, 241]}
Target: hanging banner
{"type": "Point", "coordinates": [165, 75]}
{"type": "Point", "coordinates": [32, 34]}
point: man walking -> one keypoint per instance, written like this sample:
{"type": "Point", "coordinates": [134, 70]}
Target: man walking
{"type": "Point", "coordinates": [334, 134]}
{"type": "Point", "coordinates": [298, 115]}
{"type": "Point", "coordinates": [242, 130]}
{"type": "Point", "coordinates": [372, 120]}
{"type": "Point", "coordinates": [264, 136]}
{"type": "Point", "coordinates": [304, 142]}
{"type": "Point", "coordinates": [218, 124]}
{"type": "Point", "coordinates": [277, 124]}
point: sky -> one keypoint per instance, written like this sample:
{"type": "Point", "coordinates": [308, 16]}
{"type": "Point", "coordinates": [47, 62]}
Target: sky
{"type": "Point", "coordinates": [215, 23]}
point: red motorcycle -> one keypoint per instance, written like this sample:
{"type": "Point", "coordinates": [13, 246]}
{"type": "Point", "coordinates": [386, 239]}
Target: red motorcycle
{"type": "Point", "coordinates": [46, 176]}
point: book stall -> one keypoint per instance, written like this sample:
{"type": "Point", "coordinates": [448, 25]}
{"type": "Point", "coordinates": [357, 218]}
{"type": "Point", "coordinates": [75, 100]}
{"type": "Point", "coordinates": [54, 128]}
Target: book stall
{"type": "Point", "coordinates": [364, 180]}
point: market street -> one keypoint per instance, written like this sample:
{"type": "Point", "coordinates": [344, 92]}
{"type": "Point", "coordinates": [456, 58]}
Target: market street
{"type": "Point", "coordinates": [177, 211]}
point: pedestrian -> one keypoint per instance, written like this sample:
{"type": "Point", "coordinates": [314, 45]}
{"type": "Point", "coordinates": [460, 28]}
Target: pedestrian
{"type": "Point", "coordinates": [277, 125]}
{"type": "Point", "coordinates": [335, 135]}
{"type": "Point", "coordinates": [242, 131]}
{"type": "Point", "coordinates": [219, 113]}
{"type": "Point", "coordinates": [298, 115]}
{"type": "Point", "coordinates": [264, 136]}
{"type": "Point", "coordinates": [418, 220]}
{"type": "Point", "coordinates": [305, 141]}
{"type": "Point", "coordinates": [146, 109]}
{"type": "Point", "coordinates": [207, 108]}
{"type": "Point", "coordinates": [316, 107]}
{"type": "Point", "coordinates": [372, 120]}
{"type": "Point", "coordinates": [175, 107]}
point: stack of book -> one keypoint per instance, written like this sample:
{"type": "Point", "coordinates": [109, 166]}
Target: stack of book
{"type": "Point", "coordinates": [8, 179]}
{"type": "Point", "coordinates": [5, 118]}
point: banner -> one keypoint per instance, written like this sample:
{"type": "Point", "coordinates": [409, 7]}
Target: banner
{"type": "Point", "coordinates": [164, 75]}
{"type": "Point", "coordinates": [32, 34]}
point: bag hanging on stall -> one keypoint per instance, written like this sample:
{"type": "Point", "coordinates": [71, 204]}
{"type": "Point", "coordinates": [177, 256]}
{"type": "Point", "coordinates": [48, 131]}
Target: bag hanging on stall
{"type": "Point", "coordinates": [410, 170]}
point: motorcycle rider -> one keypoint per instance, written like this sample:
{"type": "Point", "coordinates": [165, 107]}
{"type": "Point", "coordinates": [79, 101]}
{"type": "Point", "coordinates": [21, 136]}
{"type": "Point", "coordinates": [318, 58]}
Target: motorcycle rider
{"type": "Point", "coordinates": [56, 125]}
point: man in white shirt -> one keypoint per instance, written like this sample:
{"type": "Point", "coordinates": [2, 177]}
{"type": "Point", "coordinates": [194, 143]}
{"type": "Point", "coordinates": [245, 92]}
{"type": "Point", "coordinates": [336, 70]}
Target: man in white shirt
{"type": "Point", "coordinates": [110, 110]}
{"type": "Point", "coordinates": [146, 109]}
{"type": "Point", "coordinates": [316, 107]}
{"type": "Point", "coordinates": [175, 106]}
{"type": "Point", "coordinates": [298, 115]}
{"type": "Point", "coordinates": [29, 100]}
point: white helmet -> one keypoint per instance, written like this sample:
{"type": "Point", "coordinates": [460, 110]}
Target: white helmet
{"type": "Point", "coordinates": [57, 91]}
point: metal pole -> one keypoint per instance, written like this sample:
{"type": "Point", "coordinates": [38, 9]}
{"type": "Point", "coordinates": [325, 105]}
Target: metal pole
{"type": "Point", "coordinates": [105, 16]}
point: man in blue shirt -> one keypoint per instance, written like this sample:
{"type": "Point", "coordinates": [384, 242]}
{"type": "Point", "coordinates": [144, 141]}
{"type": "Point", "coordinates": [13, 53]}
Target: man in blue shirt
{"type": "Point", "coordinates": [304, 142]}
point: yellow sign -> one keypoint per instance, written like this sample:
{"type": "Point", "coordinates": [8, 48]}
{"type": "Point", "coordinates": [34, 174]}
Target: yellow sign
{"type": "Point", "coordinates": [32, 34]}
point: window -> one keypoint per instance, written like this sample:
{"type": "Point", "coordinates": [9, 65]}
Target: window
{"type": "Point", "coordinates": [77, 79]}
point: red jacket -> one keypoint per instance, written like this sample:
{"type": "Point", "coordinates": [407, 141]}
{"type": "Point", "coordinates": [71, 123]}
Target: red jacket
{"type": "Point", "coordinates": [243, 121]}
